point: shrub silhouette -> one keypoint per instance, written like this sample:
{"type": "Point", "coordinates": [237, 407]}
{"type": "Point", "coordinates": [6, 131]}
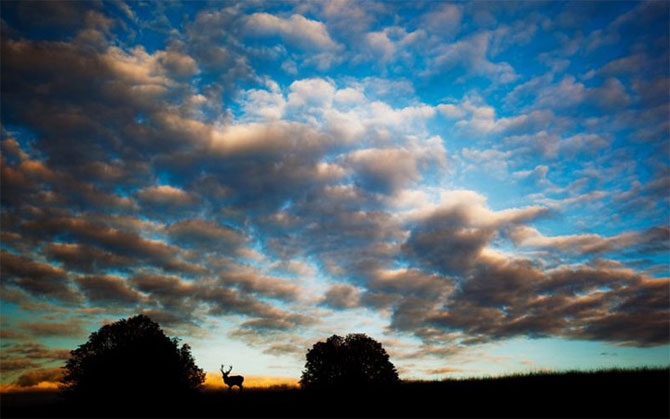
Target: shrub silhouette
{"type": "Point", "coordinates": [354, 361]}
{"type": "Point", "coordinates": [132, 359]}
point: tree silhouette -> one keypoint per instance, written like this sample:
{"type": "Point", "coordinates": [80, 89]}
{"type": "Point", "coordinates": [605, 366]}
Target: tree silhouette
{"type": "Point", "coordinates": [131, 358]}
{"type": "Point", "coordinates": [354, 361]}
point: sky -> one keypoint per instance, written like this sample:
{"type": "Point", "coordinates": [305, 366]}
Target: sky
{"type": "Point", "coordinates": [483, 187]}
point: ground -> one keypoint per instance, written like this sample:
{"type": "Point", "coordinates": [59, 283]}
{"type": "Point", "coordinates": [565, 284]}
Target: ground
{"type": "Point", "coordinates": [614, 393]}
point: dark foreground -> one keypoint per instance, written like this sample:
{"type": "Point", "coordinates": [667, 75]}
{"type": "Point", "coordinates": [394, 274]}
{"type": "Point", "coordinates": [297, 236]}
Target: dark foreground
{"type": "Point", "coordinates": [614, 393]}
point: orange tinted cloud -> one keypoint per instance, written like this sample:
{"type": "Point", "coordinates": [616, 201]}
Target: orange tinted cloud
{"type": "Point", "coordinates": [41, 386]}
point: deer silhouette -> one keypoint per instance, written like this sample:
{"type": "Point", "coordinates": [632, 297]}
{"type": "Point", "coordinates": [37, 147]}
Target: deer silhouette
{"type": "Point", "coordinates": [231, 380]}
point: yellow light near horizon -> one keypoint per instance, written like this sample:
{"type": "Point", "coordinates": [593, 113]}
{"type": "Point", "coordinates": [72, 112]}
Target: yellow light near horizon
{"type": "Point", "coordinates": [41, 386]}
{"type": "Point", "coordinates": [213, 381]}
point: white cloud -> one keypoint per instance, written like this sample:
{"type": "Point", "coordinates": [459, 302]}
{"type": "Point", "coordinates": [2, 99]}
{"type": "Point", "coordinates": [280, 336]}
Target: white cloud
{"type": "Point", "coordinates": [450, 111]}
{"type": "Point", "coordinates": [494, 160]}
{"type": "Point", "coordinates": [472, 54]}
{"type": "Point", "coordinates": [482, 117]}
{"type": "Point", "coordinates": [382, 46]}
{"type": "Point", "coordinates": [349, 95]}
{"type": "Point", "coordinates": [611, 94]}
{"type": "Point", "coordinates": [525, 236]}
{"type": "Point", "coordinates": [303, 32]}
{"type": "Point", "coordinates": [313, 92]}
{"type": "Point", "coordinates": [573, 200]}
{"type": "Point", "coordinates": [566, 93]}
{"type": "Point", "coordinates": [268, 104]}
{"type": "Point", "coordinates": [444, 20]}
{"type": "Point", "coordinates": [538, 174]}
{"type": "Point", "coordinates": [391, 44]}
{"type": "Point", "coordinates": [550, 145]}
{"type": "Point", "coordinates": [472, 207]}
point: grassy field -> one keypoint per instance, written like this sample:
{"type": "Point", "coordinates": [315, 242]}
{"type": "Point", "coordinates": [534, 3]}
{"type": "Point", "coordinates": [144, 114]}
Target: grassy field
{"type": "Point", "coordinates": [610, 393]}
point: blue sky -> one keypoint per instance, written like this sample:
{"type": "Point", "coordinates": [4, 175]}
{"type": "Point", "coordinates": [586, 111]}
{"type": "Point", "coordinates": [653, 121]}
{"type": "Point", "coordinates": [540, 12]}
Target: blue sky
{"type": "Point", "coordinates": [481, 186]}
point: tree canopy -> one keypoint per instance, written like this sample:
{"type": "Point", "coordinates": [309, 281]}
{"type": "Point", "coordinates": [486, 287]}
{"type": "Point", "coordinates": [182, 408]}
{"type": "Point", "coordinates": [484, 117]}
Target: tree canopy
{"type": "Point", "coordinates": [131, 357]}
{"type": "Point", "coordinates": [353, 361]}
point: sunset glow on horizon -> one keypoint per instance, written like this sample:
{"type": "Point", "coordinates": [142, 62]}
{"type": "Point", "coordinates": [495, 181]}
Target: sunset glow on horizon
{"type": "Point", "coordinates": [482, 187]}
{"type": "Point", "coordinates": [213, 381]}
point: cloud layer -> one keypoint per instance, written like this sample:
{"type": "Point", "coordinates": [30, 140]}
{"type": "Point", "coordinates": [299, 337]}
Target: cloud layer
{"type": "Point", "coordinates": [280, 173]}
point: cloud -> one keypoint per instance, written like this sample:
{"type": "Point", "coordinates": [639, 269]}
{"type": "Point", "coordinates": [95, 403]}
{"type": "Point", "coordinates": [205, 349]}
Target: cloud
{"type": "Point", "coordinates": [632, 19]}
{"type": "Point", "coordinates": [168, 289]}
{"type": "Point", "coordinates": [268, 105]}
{"type": "Point", "coordinates": [40, 279]}
{"type": "Point", "coordinates": [177, 64]}
{"type": "Point", "coordinates": [10, 365]}
{"type": "Point", "coordinates": [611, 94]}
{"type": "Point", "coordinates": [349, 19]}
{"type": "Point", "coordinates": [496, 160]}
{"type": "Point", "coordinates": [381, 45]}
{"type": "Point", "coordinates": [204, 234]}
{"type": "Point", "coordinates": [444, 19]}
{"type": "Point", "coordinates": [266, 139]}
{"type": "Point", "coordinates": [391, 44]}
{"type": "Point", "coordinates": [179, 179]}
{"type": "Point", "coordinates": [263, 285]}
{"type": "Point", "coordinates": [482, 119]}
{"type": "Point", "coordinates": [451, 236]}
{"type": "Point", "coordinates": [568, 92]}
{"type": "Point", "coordinates": [450, 110]}
{"type": "Point", "coordinates": [653, 92]}
{"type": "Point", "coordinates": [444, 243]}
{"type": "Point", "coordinates": [278, 322]}
{"type": "Point", "coordinates": [297, 29]}
{"type": "Point", "coordinates": [551, 146]}
{"type": "Point", "coordinates": [624, 65]}
{"type": "Point", "coordinates": [164, 195]}
{"type": "Point", "coordinates": [108, 290]}
{"type": "Point", "coordinates": [79, 257]}
{"type": "Point", "coordinates": [212, 40]}
{"type": "Point", "coordinates": [11, 147]}
{"type": "Point", "coordinates": [341, 296]}
{"type": "Point", "coordinates": [35, 377]}
{"type": "Point", "coordinates": [592, 243]}
{"type": "Point", "coordinates": [538, 174]}
{"type": "Point", "coordinates": [34, 350]}
{"type": "Point", "coordinates": [232, 294]}
{"type": "Point", "coordinates": [314, 92]}
{"type": "Point", "coordinates": [443, 370]}
{"type": "Point", "coordinates": [410, 282]}
{"type": "Point", "coordinates": [49, 329]}
{"type": "Point", "coordinates": [411, 295]}
{"type": "Point", "coordinates": [28, 355]}
{"type": "Point", "coordinates": [472, 54]}
{"type": "Point", "coordinates": [128, 244]}
{"type": "Point", "coordinates": [32, 179]}
{"type": "Point", "coordinates": [508, 298]}
{"type": "Point", "coordinates": [518, 33]}
{"type": "Point", "coordinates": [385, 170]}
{"type": "Point", "coordinates": [54, 15]}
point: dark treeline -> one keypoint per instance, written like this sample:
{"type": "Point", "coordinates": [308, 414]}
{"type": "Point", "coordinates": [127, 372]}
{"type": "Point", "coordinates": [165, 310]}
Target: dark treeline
{"type": "Point", "coordinates": [611, 393]}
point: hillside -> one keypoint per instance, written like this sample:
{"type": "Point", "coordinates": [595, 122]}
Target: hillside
{"type": "Point", "coordinates": [611, 393]}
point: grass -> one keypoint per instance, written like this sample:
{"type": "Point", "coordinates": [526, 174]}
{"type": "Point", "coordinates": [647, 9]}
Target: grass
{"type": "Point", "coordinates": [605, 393]}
